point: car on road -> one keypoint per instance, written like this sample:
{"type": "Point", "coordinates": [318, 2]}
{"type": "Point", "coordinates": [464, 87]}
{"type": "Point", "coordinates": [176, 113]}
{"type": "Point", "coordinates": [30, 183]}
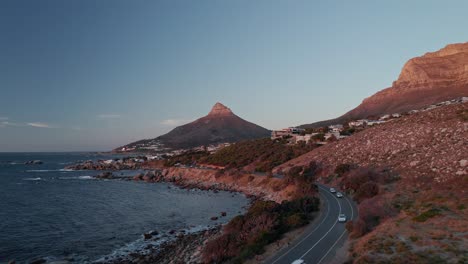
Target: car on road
{"type": "Point", "coordinates": [298, 261]}
{"type": "Point", "coordinates": [341, 218]}
{"type": "Point", "coordinates": [339, 195]}
{"type": "Point", "coordinates": [332, 190]}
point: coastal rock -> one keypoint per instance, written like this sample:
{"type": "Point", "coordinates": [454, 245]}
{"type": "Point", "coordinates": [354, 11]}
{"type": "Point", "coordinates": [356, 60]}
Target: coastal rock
{"type": "Point", "coordinates": [105, 175]}
{"type": "Point", "coordinates": [33, 162]}
{"type": "Point", "coordinates": [38, 261]}
{"type": "Point", "coordinates": [138, 177]}
{"type": "Point", "coordinates": [147, 236]}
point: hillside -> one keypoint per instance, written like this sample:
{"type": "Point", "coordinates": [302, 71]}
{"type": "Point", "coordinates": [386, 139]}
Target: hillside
{"type": "Point", "coordinates": [432, 78]}
{"type": "Point", "coordinates": [219, 126]}
{"type": "Point", "coordinates": [422, 217]}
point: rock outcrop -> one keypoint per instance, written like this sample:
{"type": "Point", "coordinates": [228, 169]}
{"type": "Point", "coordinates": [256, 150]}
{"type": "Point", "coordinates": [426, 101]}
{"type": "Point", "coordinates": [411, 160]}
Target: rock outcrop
{"type": "Point", "coordinates": [432, 78]}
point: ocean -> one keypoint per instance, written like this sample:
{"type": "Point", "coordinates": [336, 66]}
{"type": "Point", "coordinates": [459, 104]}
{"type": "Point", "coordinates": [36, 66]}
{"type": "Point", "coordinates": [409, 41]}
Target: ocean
{"type": "Point", "coordinates": [51, 213]}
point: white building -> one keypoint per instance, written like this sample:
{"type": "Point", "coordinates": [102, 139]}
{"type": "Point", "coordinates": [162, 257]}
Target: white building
{"type": "Point", "coordinates": [336, 128]}
{"type": "Point", "coordinates": [290, 131]}
{"type": "Point", "coordinates": [357, 123]}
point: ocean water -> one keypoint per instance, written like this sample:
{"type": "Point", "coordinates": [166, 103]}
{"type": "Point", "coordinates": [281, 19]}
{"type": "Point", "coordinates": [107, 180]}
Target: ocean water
{"type": "Point", "coordinates": [48, 212]}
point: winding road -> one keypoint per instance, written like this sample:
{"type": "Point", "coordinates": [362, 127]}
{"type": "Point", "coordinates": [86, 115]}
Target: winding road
{"type": "Point", "coordinates": [318, 243]}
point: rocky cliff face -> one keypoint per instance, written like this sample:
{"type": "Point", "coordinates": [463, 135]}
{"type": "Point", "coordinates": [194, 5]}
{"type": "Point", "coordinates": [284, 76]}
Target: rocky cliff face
{"type": "Point", "coordinates": [219, 110]}
{"type": "Point", "coordinates": [432, 78]}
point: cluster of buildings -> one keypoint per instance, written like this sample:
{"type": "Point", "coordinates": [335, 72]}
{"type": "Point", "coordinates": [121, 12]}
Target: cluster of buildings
{"type": "Point", "coordinates": [211, 148]}
{"type": "Point", "coordinates": [296, 135]}
{"type": "Point", "coordinates": [459, 100]}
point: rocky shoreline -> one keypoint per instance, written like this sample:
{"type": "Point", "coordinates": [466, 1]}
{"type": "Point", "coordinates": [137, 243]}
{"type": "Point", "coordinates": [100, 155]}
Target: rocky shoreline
{"type": "Point", "coordinates": [187, 247]}
{"type": "Point", "coordinates": [183, 247]}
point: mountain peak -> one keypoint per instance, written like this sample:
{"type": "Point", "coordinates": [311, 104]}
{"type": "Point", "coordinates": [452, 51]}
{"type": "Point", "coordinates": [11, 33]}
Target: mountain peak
{"type": "Point", "coordinates": [220, 110]}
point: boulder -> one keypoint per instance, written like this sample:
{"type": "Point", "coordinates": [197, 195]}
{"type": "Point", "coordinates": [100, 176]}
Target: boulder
{"type": "Point", "coordinates": [138, 177]}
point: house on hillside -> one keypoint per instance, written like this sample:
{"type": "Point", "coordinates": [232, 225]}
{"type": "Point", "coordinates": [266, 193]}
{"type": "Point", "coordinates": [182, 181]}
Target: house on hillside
{"type": "Point", "coordinates": [336, 128]}
{"type": "Point", "coordinates": [357, 123]}
{"type": "Point", "coordinates": [374, 122]}
{"type": "Point", "coordinates": [332, 134]}
{"type": "Point", "coordinates": [384, 117]}
{"type": "Point", "coordinates": [306, 138]}
{"type": "Point", "coordinates": [290, 131]}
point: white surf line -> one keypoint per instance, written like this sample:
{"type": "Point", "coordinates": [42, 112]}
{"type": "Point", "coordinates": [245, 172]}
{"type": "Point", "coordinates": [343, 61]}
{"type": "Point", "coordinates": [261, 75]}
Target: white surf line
{"type": "Point", "coordinates": [310, 233]}
{"type": "Point", "coordinates": [334, 244]}
{"type": "Point", "coordinates": [329, 230]}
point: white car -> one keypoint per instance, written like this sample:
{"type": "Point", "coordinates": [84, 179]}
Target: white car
{"type": "Point", "coordinates": [341, 218]}
{"type": "Point", "coordinates": [339, 195]}
{"type": "Point", "coordinates": [332, 190]}
{"type": "Point", "coordinates": [298, 261]}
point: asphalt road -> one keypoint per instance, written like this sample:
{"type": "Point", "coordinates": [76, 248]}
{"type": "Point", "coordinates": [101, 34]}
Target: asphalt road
{"type": "Point", "coordinates": [318, 243]}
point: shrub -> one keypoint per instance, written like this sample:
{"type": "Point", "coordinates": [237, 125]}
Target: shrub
{"type": "Point", "coordinates": [401, 202]}
{"type": "Point", "coordinates": [296, 220]}
{"type": "Point", "coordinates": [265, 153]}
{"type": "Point", "coordinates": [342, 169]}
{"type": "Point", "coordinates": [463, 114]}
{"type": "Point", "coordinates": [423, 217]}
{"type": "Point", "coordinates": [187, 158]}
{"type": "Point", "coordinates": [265, 221]}
{"type": "Point", "coordinates": [371, 213]}
{"type": "Point", "coordinates": [357, 177]}
{"type": "Point", "coordinates": [367, 190]}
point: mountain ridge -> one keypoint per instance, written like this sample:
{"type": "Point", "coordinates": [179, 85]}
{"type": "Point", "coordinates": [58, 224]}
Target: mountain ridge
{"type": "Point", "coordinates": [431, 78]}
{"type": "Point", "coordinates": [220, 125]}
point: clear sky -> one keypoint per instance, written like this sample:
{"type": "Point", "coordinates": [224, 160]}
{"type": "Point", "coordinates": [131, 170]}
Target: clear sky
{"type": "Point", "coordinates": [93, 75]}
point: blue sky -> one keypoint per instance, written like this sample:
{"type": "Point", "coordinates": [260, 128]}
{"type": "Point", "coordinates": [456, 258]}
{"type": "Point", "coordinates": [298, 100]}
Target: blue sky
{"type": "Point", "coordinates": [93, 75]}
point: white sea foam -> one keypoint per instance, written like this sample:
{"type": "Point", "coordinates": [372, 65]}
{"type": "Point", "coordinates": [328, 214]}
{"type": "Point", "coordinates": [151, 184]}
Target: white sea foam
{"type": "Point", "coordinates": [61, 170]}
{"type": "Point", "coordinates": [84, 177]}
{"type": "Point", "coordinates": [32, 179]}
{"type": "Point", "coordinates": [66, 170]}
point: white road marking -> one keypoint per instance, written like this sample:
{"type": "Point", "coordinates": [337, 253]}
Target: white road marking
{"type": "Point", "coordinates": [329, 230]}
{"type": "Point", "coordinates": [310, 233]}
{"type": "Point", "coordinates": [334, 244]}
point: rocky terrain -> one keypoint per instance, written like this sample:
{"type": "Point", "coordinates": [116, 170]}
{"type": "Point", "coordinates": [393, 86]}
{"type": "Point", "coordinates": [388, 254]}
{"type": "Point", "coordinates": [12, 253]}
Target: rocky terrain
{"type": "Point", "coordinates": [268, 188]}
{"type": "Point", "coordinates": [425, 80]}
{"type": "Point", "coordinates": [185, 249]}
{"type": "Point", "coordinates": [219, 126]}
{"type": "Point", "coordinates": [427, 219]}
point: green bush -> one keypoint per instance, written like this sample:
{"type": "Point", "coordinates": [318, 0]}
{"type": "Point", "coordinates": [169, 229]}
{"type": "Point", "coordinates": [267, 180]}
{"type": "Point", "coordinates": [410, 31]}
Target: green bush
{"type": "Point", "coordinates": [423, 217]}
{"type": "Point", "coordinates": [265, 153]}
